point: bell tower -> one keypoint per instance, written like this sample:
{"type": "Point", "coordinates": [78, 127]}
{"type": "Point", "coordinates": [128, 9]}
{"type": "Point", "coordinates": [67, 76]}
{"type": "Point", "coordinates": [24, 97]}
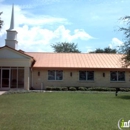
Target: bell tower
{"type": "Point", "coordinates": [11, 39]}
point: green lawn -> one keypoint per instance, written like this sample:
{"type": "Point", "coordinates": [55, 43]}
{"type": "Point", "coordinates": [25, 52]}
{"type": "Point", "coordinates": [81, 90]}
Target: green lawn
{"type": "Point", "coordinates": [63, 111]}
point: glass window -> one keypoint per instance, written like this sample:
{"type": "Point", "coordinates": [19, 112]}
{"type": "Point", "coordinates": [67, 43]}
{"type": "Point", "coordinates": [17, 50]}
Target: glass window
{"type": "Point", "coordinates": [59, 75]}
{"type": "Point", "coordinates": [121, 76]}
{"type": "Point", "coordinates": [82, 75]}
{"type": "Point", "coordinates": [86, 75]}
{"type": "Point", "coordinates": [55, 75]}
{"type": "Point", "coordinates": [117, 76]}
{"type": "Point", "coordinates": [114, 76]}
{"type": "Point", "coordinates": [90, 75]}
{"type": "Point", "coordinates": [14, 78]}
{"type": "Point", "coordinates": [51, 75]}
{"type": "Point", "coordinates": [20, 78]}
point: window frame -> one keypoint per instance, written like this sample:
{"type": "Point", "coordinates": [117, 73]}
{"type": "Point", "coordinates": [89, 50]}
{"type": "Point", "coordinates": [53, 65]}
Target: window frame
{"type": "Point", "coordinates": [55, 75]}
{"type": "Point", "coordinates": [86, 76]}
{"type": "Point", "coordinates": [117, 76]}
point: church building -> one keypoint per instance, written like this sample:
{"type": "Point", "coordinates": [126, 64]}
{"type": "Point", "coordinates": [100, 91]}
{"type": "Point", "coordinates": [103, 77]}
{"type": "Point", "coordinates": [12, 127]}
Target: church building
{"type": "Point", "coordinates": [23, 70]}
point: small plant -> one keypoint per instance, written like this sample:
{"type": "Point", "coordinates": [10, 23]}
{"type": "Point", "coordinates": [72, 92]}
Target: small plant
{"type": "Point", "coordinates": [31, 88]}
{"type": "Point", "coordinates": [48, 88]}
{"type": "Point", "coordinates": [64, 89]}
{"type": "Point", "coordinates": [72, 89]}
{"type": "Point", "coordinates": [82, 88]}
{"type": "Point", "coordinates": [58, 89]}
{"type": "Point", "coordinates": [101, 89]}
{"type": "Point", "coordinates": [53, 89]}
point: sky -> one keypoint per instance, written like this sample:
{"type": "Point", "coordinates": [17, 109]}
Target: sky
{"type": "Point", "coordinates": [90, 24]}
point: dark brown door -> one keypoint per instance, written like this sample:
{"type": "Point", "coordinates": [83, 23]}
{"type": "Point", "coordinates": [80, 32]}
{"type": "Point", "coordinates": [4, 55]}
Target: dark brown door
{"type": "Point", "coordinates": [5, 78]}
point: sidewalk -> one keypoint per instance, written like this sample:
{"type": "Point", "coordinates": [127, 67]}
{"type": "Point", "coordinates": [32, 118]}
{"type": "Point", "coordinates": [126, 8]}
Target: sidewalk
{"type": "Point", "coordinates": [2, 92]}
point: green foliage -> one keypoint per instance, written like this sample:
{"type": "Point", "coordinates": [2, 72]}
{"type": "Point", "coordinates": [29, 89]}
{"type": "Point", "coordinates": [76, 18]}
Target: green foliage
{"type": "Point", "coordinates": [85, 89]}
{"type": "Point", "coordinates": [72, 89]}
{"type": "Point", "coordinates": [1, 22]}
{"type": "Point", "coordinates": [105, 50]}
{"type": "Point", "coordinates": [64, 88]}
{"type": "Point", "coordinates": [82, 88]}
{"type": "Point", "coordinates": [101, 89]}
{"type": "Point", "coordinates": [125, 48]}
{"type": "Point", "coordinates": [65, 47]}
{"type": "Point", "coordinates": [48, 88]}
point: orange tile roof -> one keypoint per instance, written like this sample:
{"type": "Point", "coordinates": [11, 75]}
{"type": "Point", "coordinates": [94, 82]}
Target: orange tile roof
{"type": "Point", "coordinates": [76, 60]}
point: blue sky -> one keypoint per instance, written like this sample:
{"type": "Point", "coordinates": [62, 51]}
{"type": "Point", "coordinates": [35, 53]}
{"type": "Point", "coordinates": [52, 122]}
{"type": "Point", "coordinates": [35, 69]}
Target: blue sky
{"type": "Point", "coordinates": [89, 23]}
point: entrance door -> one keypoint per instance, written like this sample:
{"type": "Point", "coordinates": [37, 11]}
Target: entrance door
{"type": "Point", "coordinates": [5, 78]}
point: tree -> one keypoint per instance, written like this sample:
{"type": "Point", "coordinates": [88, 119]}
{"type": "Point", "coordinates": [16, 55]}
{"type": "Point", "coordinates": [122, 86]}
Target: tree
{"type": "Point", "coordinates": [1, 22]}
{"type": "Point", "coordinates": [65, 47]}
{"type": "Point", "coordinates": [125, 48]}
{"type": "Point", "coordinates": [105, 50]}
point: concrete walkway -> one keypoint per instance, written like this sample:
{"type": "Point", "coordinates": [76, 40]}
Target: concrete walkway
{"type": "Point", "coordinates": [2, 92]}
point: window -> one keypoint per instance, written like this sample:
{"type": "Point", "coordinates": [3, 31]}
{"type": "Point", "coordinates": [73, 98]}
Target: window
{"type": "Point", "coordinates": [55, 75]}
{"type": "Point", "coordinates": [86, 75]}
{"type": "Point", "coordinates": [117, 76]}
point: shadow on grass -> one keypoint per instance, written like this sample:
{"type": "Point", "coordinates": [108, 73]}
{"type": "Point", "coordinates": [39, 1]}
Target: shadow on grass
{"type": "Point", "coordinates": [127, 97]}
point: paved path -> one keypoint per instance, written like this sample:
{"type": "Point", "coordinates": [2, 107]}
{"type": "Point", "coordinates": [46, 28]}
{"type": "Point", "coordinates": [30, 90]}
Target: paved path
{"type": "Point", "coordinates": [2, 92]}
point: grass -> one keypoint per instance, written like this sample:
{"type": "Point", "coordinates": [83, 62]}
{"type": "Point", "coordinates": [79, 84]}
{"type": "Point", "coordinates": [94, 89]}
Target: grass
{"type": "Point", "coordinates": [63, 111]}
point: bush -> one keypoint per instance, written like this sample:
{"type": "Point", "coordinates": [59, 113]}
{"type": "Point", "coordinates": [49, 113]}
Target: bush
{"type": "Point", "coordinates": [72, 89]}
{"type": "Point", "coordinates": [64, 89]}
{"type": "Point", "coordinates": [101, 89]}
{"type": "Point", "coordinates": [31, 88]}
{"type": "Point", "coordinates": [48, 88]}
{"type": "Point", "coordinates": [125, 89]}
{"type": "Point", "coordinates": [82, 88]}
{"type": "Point", "coordinates": [58, 89]}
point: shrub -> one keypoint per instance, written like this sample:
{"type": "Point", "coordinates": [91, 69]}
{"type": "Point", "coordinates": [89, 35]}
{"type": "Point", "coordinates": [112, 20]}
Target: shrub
{"type": "Point", "coordinates": [101, 89]}
{"type": "Point", "coordinates": [58, 89]}
{"type": "Point", "coordinates": [125, 89]}
{"type": "Point", "coordinates": [72, 89]}
{"type": "Point", "coordinates": [53, 88]}
{"type": "Point", "coordinates": [31, 88]}
{"type": "Point", "coordinates": [48, 88]}
{"type": "Point", "coordinates": [82, 88]}
{"type": "Point", "coordinates": [64, 89]}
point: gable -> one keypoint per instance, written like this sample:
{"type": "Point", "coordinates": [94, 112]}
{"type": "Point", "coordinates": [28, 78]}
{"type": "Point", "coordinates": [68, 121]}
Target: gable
{"type": "Point", "coordinates": [11, 57]}
{"type": "Point", "coordinates": [7, 53]}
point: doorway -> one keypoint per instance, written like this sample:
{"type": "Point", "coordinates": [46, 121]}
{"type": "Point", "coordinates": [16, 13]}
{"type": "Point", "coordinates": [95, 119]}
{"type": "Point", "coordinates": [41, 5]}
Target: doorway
{"type": "Point", "coordinates": [5, 78]}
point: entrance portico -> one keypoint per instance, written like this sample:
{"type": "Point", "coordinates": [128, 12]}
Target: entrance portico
{"type": "Point", "coordinates": [12, 77]}
{"type": "Point", "coordinates": [15, 69]}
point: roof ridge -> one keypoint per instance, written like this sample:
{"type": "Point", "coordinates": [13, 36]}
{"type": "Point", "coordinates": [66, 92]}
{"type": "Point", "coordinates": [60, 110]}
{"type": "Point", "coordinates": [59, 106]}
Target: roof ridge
{"type": "Point", "coordinates": [78, 53]}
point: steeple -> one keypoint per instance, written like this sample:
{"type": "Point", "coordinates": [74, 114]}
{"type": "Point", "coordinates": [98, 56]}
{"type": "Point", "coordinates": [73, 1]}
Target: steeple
{"type": "Point", "coordinates": [12, 19]}
{"type": "Point", "coordinates": [11, 39]}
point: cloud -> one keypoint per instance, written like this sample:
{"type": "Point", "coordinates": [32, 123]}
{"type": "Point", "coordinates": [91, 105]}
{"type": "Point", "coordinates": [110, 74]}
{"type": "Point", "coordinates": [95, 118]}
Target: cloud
{"type": "Point", "coordinates": [89, 49]}
{"type": "Point", "coordinates": [41, 20]}
{"type": "Point", "coordinates": [37, 3]}
{"type": "Point", "coordinates": [65, 34]}
{"type": "Point", "coordinates": [115, 43]}
{"type": "Point", "coordinates": [39, 37]}
{"type": "Point", "coordinates": [33, 34]}
{"type": "Point", "coordinates": [23, 17]}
